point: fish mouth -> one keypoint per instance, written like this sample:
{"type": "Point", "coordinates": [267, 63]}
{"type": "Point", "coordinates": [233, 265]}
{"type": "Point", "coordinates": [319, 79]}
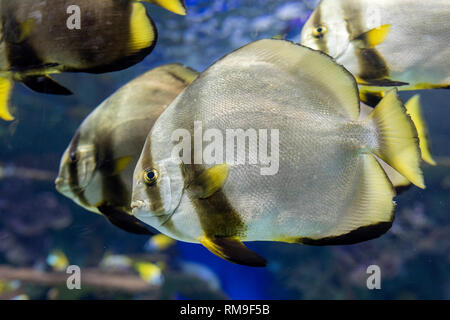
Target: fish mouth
{"type": "Point", "coordinates": [141, 208]}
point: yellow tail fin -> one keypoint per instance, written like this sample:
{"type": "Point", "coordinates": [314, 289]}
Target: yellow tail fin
{"type": "Point", "coordinates": [413, 107]}
{"type": "Point", "coordinates": [6, 86]}
{"type": "Point", "coordinates": [142, 30]}
{"type": "Point", "coordinates": [175, 6]}
{"type": "Point", "coordinates": [398, 143]}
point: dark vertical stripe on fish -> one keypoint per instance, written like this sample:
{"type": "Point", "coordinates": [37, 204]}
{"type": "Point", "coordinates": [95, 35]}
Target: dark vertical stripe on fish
{"type": "Point", "coordinates": [73, 170]}
{"type": "Point", "coordinates": [371, 63]}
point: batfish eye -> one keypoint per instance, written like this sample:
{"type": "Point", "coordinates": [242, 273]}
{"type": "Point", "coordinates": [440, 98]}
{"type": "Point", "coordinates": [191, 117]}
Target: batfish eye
{"type": "Point", "coordinates": [73, 156]}
{"type": "Point", "coordinates": [150, 176]}
{"type": "Point", "coordinates": [319, 31]}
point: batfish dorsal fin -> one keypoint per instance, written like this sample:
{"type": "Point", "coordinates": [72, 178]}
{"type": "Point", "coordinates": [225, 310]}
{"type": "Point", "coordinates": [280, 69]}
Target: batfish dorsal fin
{"type": "Point", "coordinates": [175, 6]}
{"type": "Point", "coordinates": [210, 181]}
{"type": "Point", "coordinates": [180, 72]}
{"type": "Point", "coordinates": [306, 65]}
{"type": "Point", "coordinates": [233, 250]}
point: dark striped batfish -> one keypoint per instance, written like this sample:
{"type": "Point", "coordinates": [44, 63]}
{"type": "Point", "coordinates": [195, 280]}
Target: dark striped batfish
{"type": "Point", "coordinates": [329, 188]}
{"type": "Point", "coordinates": [404, 43]}
{"type": "Point", "coordinates": [96, 169]}
{"type": "Point", "coordinates": [36, 41]}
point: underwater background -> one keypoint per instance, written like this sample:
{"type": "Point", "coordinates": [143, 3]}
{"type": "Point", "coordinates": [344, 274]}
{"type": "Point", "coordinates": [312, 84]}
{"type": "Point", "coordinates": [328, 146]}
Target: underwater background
{"type": "Point", "coordinates": [35, 221]}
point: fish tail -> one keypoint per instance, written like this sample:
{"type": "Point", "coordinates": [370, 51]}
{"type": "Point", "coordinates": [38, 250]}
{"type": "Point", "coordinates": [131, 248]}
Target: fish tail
{"type": "Point", "coordinates": [398, 142]}
{"type": "Point", "coordinates": [6, 86]}
{"type": "Point", "coordinates": [175, 6]}
{"type": "Point", "coordinates": [414, 109]}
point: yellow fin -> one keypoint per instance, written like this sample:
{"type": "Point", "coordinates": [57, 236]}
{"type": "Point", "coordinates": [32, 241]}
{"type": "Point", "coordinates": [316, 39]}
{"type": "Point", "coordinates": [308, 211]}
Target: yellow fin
{"type": "Point", "coordinates": [413, 107]}
{"type": "Point", "coordinates": [6, 86]}
{"type": "Point", "coordinates": [210, 181]}
{"type": "Point", "coordinates": [175, 6]}
{"type": "Point", "coordinates": [370, 213]}
{"type": "Point", "coordinates": [420, 86]}
{"type": "Point", "coordinates": [121, 164]}
{"type": "Point", "coordinates": [398, 140]}
{"type": "Point", "coordinates": [26, 28]}
{"type": "Point", "coordinates": [233, 250]}
{"type": "Point", "coordinates": [183, 73]}
{"type": "Point", "coordinates": [373, 37]}
{"type": "Point", "coordinates": [142, 30]}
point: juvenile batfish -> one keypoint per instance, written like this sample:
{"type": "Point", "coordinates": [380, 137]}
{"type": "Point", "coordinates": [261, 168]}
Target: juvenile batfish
{"type": "Point", "coordinates": [385, 43]}
{"type": "Point", "coordinates": [96, 169]}
{"type": "Point", "coordinates": [328, 189]}
{"type": "Point", "coordinates": [39, 38]}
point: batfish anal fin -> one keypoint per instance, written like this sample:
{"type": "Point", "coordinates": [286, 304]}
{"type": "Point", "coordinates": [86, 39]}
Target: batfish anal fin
{"type": "Point", "coordinates": [233, 250]}
{"type": "Point", "coordinates": [359, 235]}
{"type": "Point", "coordinates": [210, 181]}
{"type": "Point", "coordinates": [370, 212]}
{"type": "Point", "coordinates": [120, 218]}
{"type": "Point", "coordinates": [45, 84]}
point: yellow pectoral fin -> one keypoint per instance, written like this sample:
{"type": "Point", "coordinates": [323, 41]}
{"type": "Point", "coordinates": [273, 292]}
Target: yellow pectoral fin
{"type": "Point", "coordinates": [413, 108]}
{"type": "Point", "coordinates": [121, 164]}
{"type": "Point", "coordinates": [175, 6]}
{"type": "Point", "coordinates": [373, 37]}
{"type": "Point", "coordinates": [232, 250]}
{"type": "Point", "coordinates": [210, 181]}
{"type": "Point", "coordinates": [26, 28]}
{"type": "Point", "coordinates": [6, 86]}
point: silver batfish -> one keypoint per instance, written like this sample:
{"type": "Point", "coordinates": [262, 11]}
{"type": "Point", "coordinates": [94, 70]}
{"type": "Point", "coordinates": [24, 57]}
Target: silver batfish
{"type": "Point", "coordinates": [303, 111]}
{"type": "Point", "coordinates": [96, 169]}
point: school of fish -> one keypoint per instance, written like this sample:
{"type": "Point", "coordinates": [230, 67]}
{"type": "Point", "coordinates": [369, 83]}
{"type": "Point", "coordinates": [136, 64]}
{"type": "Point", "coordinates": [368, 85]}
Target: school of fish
{"type": "Point", "coordinates": [304, 143]}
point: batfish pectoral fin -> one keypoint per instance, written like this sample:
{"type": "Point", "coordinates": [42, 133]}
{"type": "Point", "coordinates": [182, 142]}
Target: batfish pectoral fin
{"type": "Point", "coordinates": [414, 109]}
{"type": "Point", "coordinates": [120, 218]}
{"type": "Point", "coordinates": [25, 29]}
{"type": "Point", "coordinates": [6, 87]}
{"type": "Point", "coordinates": [210, 181]}
{"type": "Point", "coordinates": [175, 6]}
{"type": "Point", "coordinates": [385, 82]}
{"type": "Point", "coordinates": [373, 37]}
{"type": "Point", "coordinates": [232, 250]}
{"type": "Point", "coordinates": [121, 164]}
{"type": "Point", "coordinates": [45, 84]}
{"type": "Point", "coordinates": [370, 212]}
